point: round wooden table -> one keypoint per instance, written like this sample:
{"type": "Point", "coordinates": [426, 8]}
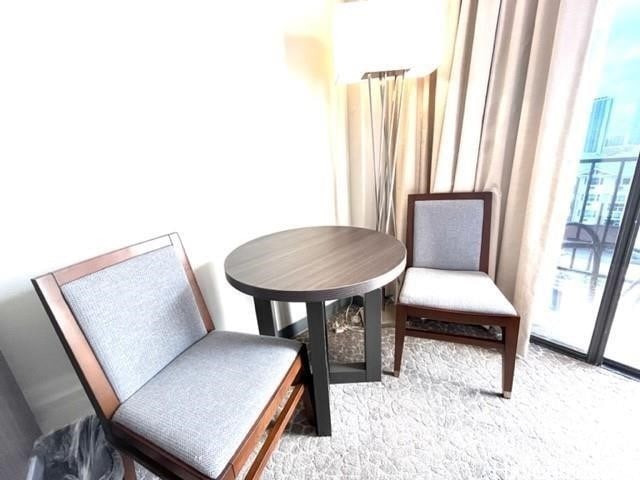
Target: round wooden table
{"type": "Point", "coordinates": [313, 265]}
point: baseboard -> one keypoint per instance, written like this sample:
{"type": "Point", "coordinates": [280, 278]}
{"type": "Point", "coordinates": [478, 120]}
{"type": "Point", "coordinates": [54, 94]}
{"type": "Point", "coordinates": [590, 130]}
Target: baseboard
{"type": "Point", "coordinates": [58, 402]}
{"type": "Point", "coordinates": [296, 328]}
{"type": "Point", "coordinates": [72, 406]}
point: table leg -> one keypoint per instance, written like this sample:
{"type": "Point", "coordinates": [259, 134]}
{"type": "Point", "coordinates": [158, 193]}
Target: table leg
{"type": "Point", "coordinates": [319, 366]}
{"type": "Point", "coordinates": [266, 322]}
{"type": "Point", "coordinates": [373, 335]}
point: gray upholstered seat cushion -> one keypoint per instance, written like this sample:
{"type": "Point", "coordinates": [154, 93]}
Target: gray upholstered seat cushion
{"type": "Point", "coordinates": [202, 405]}
{"type": "Point", "coordinates": [138, 315]}
{"type": "Point", "coordinates": [447, 234]}
{"type": "Point", "coordinates": [454, 290]}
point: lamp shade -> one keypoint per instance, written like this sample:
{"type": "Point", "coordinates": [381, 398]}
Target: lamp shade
{"type": "Point", "coordinates": [387, 35]}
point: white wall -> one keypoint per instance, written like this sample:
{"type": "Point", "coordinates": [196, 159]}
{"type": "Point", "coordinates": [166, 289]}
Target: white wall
{"type": "Point", "coordinates": [124, 120]}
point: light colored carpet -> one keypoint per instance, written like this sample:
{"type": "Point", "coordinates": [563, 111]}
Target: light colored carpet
{"type": "Point", "coordinates": [443, 419]}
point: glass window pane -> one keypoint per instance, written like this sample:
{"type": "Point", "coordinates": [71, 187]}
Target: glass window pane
{"type": "Point", "coordinates": [622, 345]}
{"type": "Point", "coordinates": [601, 189]}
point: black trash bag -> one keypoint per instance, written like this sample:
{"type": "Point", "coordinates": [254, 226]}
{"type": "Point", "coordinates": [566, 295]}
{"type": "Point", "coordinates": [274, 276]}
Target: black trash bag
{"type": "Point", "coordinates": [79, 451]}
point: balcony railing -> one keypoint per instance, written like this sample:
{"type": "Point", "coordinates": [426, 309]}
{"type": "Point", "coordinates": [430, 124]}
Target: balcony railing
{"type": "Point", "coordinates": [591, 234]}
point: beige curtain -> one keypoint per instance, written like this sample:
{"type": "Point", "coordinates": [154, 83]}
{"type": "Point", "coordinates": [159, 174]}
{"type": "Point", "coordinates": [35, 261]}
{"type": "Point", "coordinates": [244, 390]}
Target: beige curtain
{"type": "Point", "coordinates": [464, 110]}
{"type": "Point", "coordinates": [532, 167]}
{"type": "Point", "coordinates": [523, 142]}
{"type": "Point", "coordinates": [510, 108]}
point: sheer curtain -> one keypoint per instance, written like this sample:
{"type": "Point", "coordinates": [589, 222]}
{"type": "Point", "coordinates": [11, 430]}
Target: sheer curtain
{"type": "Point", "coordinates": [511, 103]}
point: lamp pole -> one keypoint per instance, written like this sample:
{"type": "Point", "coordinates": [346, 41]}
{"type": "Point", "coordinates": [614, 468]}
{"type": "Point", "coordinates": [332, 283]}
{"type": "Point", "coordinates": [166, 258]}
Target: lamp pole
{"type": "Point", "coordinates": [390, 87]}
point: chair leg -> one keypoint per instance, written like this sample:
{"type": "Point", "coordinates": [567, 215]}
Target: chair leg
{"type": "Point", "coordinates": [307, 396]}
{"type": "Point", "coordinates": [129, 466]}
{"type": "Point", "coordinates": [401, 328]}
{"type": "Point", "coordinates": [510, 338]}
{"type": "Point", "coordinates": [309, 409]}
{"type": "Point", "coordinates": [273, 437]}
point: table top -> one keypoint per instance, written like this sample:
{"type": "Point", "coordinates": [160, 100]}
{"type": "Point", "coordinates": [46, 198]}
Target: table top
{"type": "Point", "coordinates": [315, 264]}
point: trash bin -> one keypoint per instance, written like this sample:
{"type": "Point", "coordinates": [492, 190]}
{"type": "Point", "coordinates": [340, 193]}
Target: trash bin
{"type": "Point", "coordinates": [79, 451]}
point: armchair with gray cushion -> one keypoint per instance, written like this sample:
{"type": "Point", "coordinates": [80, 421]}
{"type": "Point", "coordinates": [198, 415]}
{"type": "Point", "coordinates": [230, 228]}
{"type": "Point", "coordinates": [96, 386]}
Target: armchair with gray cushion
{"type": "Point", "coordinates": [447, 276]}
{"type": "Point", "coordinates": [179, 397]}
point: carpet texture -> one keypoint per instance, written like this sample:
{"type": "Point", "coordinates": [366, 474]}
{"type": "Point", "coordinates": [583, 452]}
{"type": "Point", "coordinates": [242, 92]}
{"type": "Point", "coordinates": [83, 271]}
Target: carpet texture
{"type": "Point", "coordinates": [443, 419]}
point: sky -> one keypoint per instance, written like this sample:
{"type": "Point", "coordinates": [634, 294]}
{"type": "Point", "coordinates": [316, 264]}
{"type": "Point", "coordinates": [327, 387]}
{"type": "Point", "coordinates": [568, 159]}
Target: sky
{"type": "Point", "coordinates": [621, 73]}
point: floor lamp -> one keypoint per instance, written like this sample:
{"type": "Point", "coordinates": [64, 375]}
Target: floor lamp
{"type": "Point", "coordinates": [383, 42]}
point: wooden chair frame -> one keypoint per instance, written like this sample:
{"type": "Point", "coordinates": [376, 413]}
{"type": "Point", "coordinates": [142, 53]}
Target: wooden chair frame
{"type": "Point", "coordinates": [509, 324]}
{"type": "Point", "coordinates": [103, 396]}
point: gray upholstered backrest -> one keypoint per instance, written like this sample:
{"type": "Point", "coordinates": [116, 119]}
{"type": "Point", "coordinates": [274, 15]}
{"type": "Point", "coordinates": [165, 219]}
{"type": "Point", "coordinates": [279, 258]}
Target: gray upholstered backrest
{"type": "Point", "coordinates": [137, 316]}
{"type": "Point", "coordinates": [447, 234]}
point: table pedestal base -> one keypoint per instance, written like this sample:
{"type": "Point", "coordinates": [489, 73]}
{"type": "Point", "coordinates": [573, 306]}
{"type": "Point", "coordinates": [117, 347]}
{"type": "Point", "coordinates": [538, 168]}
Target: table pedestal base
{"type": "Point", "coordinates": [324, 373]}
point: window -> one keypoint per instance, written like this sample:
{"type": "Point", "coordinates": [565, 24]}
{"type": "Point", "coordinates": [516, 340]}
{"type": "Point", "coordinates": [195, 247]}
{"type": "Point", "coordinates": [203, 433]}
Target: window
{"type": "Point", "coordinates": [602, 188]}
